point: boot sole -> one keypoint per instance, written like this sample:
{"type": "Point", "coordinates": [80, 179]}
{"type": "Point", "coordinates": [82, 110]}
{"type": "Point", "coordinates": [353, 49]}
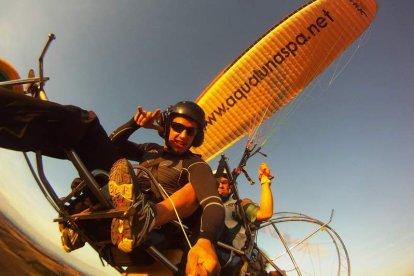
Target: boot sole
{"type": "Point", "coordinates": [121, 190]}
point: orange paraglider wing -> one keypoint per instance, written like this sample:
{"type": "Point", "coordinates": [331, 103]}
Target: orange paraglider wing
{"type": "Point", "coordinates": [7, 73]}
{"type": "Point", "coordinates": [278, 66]}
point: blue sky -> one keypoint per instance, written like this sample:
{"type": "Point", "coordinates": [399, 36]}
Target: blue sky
{"type": "Point", "coordinates": [346, 146]}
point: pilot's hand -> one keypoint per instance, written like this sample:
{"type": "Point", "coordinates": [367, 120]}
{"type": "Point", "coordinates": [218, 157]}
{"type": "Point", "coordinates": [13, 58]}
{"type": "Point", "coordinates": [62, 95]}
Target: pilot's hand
{"type": "Point", "coordinates": [264, 172]}
{"type": "Point", "coordinates": [202, 259]}
{"type": "Point", "coordinates": [146, 119]}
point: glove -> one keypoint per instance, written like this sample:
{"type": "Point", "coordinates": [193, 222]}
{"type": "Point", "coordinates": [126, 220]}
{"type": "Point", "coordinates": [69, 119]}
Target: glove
{"type": "Point", "coordinates": [264, 174]}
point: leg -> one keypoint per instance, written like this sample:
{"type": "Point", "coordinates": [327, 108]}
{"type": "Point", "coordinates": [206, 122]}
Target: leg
{"type": "Point", "coordinates": [28, 124]}
{"type": "Point", "coordinates": [185, 201]}
{"type": "Point", "coordinates": [129, 232]}
{"type": "Point", "coordinates": [124, 190]}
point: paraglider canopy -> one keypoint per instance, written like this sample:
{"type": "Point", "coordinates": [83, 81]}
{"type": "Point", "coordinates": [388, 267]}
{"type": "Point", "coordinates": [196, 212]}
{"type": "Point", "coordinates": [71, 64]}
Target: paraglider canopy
{"type": "Point", "coordinates": [277, 67]}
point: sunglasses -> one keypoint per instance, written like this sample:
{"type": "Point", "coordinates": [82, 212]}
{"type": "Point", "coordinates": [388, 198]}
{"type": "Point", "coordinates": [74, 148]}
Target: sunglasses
{"type": "Point", "coordinates": [177, 127]}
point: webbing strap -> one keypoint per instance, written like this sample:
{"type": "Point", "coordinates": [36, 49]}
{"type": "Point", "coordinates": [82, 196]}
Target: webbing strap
{"type": "Point", "coordinates": [153, 166]}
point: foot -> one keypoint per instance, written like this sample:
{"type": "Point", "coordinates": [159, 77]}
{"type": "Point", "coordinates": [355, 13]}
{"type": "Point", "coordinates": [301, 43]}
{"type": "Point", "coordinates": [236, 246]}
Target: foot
{"type": "Point", "coordinates": [127, 233]}
{"type": "Point", "coordinates": [70, 238]}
